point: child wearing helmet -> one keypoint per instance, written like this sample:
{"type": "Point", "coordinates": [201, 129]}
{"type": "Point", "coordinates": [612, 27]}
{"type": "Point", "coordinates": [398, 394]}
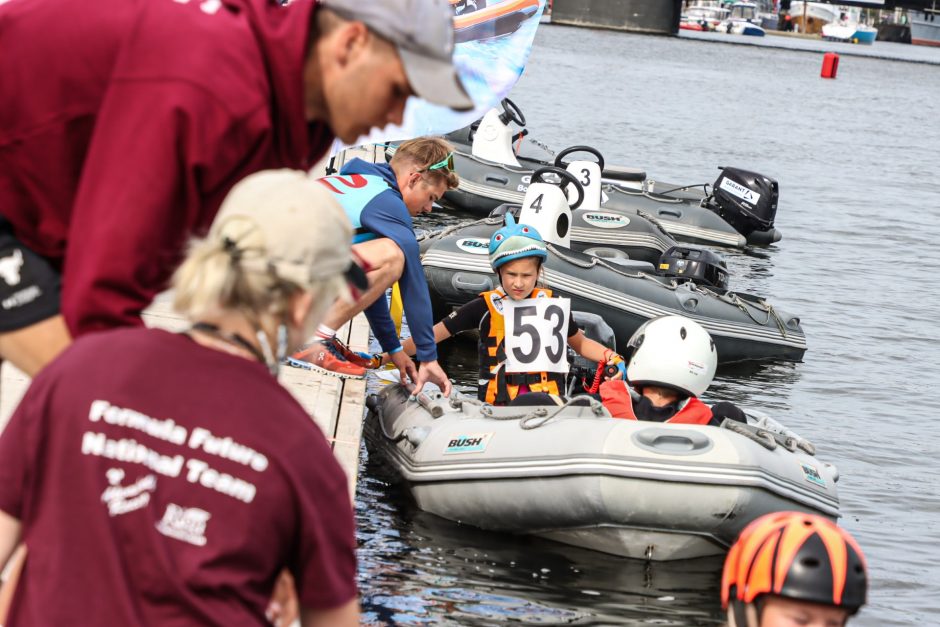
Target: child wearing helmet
{"type": "Point", "coordinates": [516, 255]}
{"type": "Point", "coordinates": [790, 568]}
{"type": "Point", "coordinates": [672, 364]}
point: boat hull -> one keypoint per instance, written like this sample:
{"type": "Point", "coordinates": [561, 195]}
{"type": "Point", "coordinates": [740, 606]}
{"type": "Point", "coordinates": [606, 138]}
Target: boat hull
{"type": "Point", "coordinates": [635, 489]}
{"type": "Point", "coordinates": [496, 20]}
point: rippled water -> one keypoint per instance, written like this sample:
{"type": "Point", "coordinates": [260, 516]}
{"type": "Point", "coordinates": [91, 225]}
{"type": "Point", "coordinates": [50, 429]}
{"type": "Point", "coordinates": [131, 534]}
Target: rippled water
{"type": "Point", "coordinates": [858, 160]}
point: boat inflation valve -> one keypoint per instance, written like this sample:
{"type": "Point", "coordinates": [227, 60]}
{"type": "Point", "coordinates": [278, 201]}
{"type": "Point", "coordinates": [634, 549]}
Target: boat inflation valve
{"type": "Point", "coordinates": [547, 208]}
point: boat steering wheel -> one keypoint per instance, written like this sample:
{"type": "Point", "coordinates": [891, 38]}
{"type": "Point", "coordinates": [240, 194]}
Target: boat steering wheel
{"type": "Point", "coordinates": [567, 151]}
{"type": "Point", "coordinates": [565, 176]}
{"type": "Point", "coordinates": [511, 113]}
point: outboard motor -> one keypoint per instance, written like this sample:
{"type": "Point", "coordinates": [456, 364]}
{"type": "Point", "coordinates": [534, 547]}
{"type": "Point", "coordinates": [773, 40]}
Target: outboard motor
{"type": "Point", "coordinates": [696, 264]}
{"type": "Point", "coordinates": [745, 200]}
{"type": "Point", "coordinates": [588, 174]}
{"type": "Point", "coordinates": [547, 208]}
{"type": "Point", "coordinates": [493, 138]}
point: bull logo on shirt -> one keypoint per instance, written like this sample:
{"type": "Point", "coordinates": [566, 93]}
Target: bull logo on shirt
{"type": "Point", "coordinates": [10, 267]}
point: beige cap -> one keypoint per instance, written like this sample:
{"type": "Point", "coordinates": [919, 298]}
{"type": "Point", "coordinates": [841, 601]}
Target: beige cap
{"type": "Point", "coordinates": [285, 222]}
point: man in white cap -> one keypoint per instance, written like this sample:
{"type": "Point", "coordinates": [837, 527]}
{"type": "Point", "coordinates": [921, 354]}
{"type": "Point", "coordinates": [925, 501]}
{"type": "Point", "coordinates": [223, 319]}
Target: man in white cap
{"type": "Point", "coordinates": [125, 122]}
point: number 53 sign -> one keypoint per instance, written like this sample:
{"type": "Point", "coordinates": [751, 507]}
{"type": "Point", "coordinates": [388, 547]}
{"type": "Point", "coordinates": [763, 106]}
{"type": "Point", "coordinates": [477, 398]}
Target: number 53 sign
{"type": "Point", "coordinates": [536, 334]}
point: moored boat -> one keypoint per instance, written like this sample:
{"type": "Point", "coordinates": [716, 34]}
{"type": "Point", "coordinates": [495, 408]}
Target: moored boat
{"type": "Point", "coordinates": [575, 475]}
{"type": "Point", "coordinates": [625, 293]}
{"type": "Point", "coordinates": [925, 26]}
{"type": "Point", "coordinates": [476, 20]}
{"type": "Point", "coordinates": [738, 210]}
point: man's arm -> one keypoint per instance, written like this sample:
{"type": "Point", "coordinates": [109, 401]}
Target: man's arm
{"type": "Point", "coordinates": [386, 216]}
{"type": "Point", "coordinates": [160, 161]}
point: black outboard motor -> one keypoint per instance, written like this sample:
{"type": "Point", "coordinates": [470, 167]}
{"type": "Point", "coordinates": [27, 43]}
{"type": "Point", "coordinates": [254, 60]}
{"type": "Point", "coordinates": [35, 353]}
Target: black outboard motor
{"type": "Point", "coordinates": [696, 264]}
{"type": "Point", "coordinates": [745, 200]}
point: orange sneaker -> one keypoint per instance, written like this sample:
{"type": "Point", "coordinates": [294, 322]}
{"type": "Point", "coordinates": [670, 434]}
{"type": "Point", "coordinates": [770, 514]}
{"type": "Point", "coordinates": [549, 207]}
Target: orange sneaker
{"type": "Point", "coordinates": [365, 360]}
{"type": "Point", "coordinates": [320, 357]}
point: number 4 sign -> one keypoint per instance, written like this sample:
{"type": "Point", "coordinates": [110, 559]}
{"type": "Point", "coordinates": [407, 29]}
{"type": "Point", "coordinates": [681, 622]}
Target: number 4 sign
{"type": "Point", "coordinates": [536, 334]}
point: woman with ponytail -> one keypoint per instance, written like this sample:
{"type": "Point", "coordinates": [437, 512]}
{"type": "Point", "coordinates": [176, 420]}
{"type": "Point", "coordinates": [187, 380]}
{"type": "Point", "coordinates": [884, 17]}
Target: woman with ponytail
{"type": "Point", "coordinates": [168, 479]}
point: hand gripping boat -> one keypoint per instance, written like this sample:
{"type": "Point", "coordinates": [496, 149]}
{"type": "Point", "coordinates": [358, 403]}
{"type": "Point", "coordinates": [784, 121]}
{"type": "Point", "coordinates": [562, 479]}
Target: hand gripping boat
{"type": "Point", "coordinates": [739, 210]}
{"type": "Point", "coordinates": [575, 475]}
{"type": "Point", "coordinates": [625, 293]}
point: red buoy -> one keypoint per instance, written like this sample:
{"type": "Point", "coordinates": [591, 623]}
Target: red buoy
{"type": "Point", "coordinates": [830, 65]}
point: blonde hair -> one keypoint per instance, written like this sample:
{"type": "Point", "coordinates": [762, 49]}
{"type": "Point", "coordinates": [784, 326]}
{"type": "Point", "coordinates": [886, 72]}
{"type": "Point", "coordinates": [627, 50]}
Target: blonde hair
{"type": "Point", "coordinates": [212, 280]}
{"type": "Point", "coordinates": [424, 152]}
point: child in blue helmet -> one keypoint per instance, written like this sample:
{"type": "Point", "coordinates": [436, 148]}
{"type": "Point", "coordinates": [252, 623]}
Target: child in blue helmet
{"type": "Point", "coordinates": [516, 255]}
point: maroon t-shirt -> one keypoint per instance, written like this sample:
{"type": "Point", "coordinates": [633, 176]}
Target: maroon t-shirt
{"type": "Point", "coordinates": [160, 482]}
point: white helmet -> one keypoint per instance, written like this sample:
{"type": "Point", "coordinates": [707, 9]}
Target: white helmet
{"type": "Point", "coordinates": [673, 352]}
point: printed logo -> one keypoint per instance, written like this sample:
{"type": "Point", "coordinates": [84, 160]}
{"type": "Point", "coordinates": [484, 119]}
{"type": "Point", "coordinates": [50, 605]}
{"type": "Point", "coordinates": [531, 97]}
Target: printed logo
{"type": "Point", "coordinates": [497, 301]}
{"type": "Point", "coordinates": [473, 443]}
{"type": "Point", "coordinates": [606, 220]}
{"type": "Point", "coordinates": [122, 499]}
{"type": "Point", "coordinates": [185, 523]}
{"type": "Point", "coordinates": [10, 267]}
{"type": "Point", "coordinates": [740, 191]}
{"type": "Point", "coordinates": [474, 245]}
{"type": "Point", "coordinates": [812, 475]}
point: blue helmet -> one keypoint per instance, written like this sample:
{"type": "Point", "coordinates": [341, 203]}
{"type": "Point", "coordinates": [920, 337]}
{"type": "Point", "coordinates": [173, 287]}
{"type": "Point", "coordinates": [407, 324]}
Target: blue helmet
{"type": "Point", "coordinates": [515, 241]}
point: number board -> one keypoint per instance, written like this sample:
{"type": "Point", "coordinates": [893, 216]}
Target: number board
{"type": "Point", "coordinates": [536, 334]}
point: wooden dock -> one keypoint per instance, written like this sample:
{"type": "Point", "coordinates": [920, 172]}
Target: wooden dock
{"type": "Point", "coordinates": [336, 405]}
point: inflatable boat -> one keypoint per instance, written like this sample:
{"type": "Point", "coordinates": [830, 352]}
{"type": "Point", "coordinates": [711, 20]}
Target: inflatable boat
{"type": "Point", "coordinates": [626, 293]}
{"type": "Point", "coordinates": [737, 210]}
{"type": "Point", "coordinates": [474, 20]}
{"type": "Point", "coordinates": [575, 475]}
{"type": "Point", "coordinates": [606, 234]}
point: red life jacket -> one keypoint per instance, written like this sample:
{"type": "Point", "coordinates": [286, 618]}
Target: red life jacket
{"type": "Point", "coordinates": [615, 396]}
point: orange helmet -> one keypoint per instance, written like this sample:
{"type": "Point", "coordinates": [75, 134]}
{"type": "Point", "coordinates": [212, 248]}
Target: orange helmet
{"type": "Point", "coordinates": [798, 556]}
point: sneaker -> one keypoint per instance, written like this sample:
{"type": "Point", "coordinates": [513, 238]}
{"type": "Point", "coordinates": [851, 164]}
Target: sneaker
{"type": "Point", "coordinates": [320, 358]}
{"type": "Point", "coordinates": [364, 360]}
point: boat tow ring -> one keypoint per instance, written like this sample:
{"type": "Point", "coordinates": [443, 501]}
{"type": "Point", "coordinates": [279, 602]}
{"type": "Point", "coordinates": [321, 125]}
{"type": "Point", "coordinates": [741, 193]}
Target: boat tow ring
{"type": "Point", "coordinates": [565, 176]}
{"type": "Point", "coordinates": [559, 163]}
{"type": "Point", "coordinates": [511, 113]}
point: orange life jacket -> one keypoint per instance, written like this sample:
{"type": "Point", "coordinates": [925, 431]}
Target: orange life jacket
{"type": "Point", "coordinates": [615, 396]}
{"type": "Point", "coordinates": [495, 384]}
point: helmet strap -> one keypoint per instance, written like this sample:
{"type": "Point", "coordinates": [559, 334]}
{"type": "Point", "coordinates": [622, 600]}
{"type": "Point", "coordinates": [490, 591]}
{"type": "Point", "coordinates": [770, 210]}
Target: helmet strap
{"type": "Point", "coordinates": [743, 614]}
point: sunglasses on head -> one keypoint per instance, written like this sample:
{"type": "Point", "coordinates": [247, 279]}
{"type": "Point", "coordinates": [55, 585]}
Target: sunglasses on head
{"type": "Point", "coordinates": [447, 163]}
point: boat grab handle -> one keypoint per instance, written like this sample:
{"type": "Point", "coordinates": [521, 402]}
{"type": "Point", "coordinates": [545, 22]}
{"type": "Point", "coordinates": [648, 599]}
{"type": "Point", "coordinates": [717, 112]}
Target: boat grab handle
{"type": "Point", "coordinates": [502, 180]}
{"type": "Point", "coordinates": [670, 441]}
{"type": "Point", "coordinates": [667, 212]}
{"type": "Point", "coordinates": [480, 285]}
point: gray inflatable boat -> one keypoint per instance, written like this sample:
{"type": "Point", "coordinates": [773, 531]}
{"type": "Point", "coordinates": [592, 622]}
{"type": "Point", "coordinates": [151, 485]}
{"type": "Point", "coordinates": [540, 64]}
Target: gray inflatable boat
{"type": "Point", "coordinates": [738, 210]}
{"type": "Point", "coordinates": [625, 293]}
{"type": "Point", "coordinates": [575, 475]}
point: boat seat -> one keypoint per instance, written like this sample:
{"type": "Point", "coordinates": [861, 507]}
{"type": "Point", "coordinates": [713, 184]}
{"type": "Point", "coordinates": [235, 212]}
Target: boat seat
{"type": "Point", "coordinates": [621, 173]}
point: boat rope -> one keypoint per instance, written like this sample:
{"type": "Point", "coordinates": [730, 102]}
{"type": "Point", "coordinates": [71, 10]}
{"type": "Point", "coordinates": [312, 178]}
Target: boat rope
{"type": "Point", "coordinates": [587, 264]}
{"type": "Point", "coordinates": [380, 418]}
{"type": "Point", "coordinates": [540, 416]}
{"type": "Point", "coordinates": [761, 436]}
{"type": "Point", "coordinates": [609, 187]}
{"type": "Point", "coordinates": [761, 305]}
{"type": "Point", "coordinates": [441, 233]}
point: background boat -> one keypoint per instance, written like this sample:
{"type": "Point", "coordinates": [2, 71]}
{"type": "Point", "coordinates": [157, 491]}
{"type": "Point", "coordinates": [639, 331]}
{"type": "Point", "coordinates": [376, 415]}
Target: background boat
{"type": "Point", "coordinates": [925, 27]}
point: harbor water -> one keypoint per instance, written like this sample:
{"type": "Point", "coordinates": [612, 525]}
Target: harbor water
{"type": "Point", "coordinates": [858, 161]}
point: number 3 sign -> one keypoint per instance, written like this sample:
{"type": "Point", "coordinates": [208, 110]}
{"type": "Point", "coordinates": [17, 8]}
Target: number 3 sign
{"type": "Point", "coordinates": [536, 334]}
